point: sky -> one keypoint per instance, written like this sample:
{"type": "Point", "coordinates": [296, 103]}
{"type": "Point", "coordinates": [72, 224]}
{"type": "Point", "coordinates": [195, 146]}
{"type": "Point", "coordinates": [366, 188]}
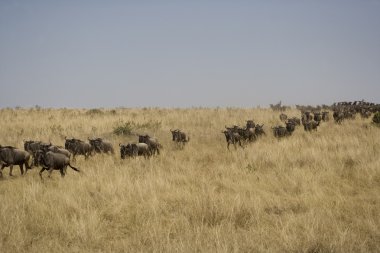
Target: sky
{"type": "Point", "coordinates": [95, 54]}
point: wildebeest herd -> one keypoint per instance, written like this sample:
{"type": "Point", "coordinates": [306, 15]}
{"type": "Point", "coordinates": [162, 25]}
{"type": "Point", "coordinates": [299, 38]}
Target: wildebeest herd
{"type": "Point", "coordinates": [51, 157]}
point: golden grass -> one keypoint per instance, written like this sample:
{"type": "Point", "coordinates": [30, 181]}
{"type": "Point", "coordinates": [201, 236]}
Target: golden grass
{"type": "Point", "coordinates": [311, 192]}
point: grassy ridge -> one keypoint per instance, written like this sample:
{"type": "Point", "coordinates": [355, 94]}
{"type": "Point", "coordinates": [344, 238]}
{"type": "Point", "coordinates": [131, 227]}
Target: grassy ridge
{"type": "Point", "coordinates": [311, 192]}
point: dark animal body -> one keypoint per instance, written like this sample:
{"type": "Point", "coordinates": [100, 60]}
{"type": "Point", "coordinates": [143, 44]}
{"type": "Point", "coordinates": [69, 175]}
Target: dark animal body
{"type": "Point", "coordinates": [153, 144]}
{"type": "Point", "coordinates": [10, 156]}
{"type": "Point", "coordinates": [232, 138]}
{"type": "Point", "coordinates": [78, 147]}
{"type": "Point", "coordinates": [101, 146]}
{"type": "Point", "coordinates": [179, 136]}
{"type": "Point", "coordinates": [54, 161]}
{"type": "Point", "coordinates": [134, 149]}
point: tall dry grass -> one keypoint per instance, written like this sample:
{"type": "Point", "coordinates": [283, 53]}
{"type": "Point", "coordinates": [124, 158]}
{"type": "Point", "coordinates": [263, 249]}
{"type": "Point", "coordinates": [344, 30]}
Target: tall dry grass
{"type": "Point", "coordinates": [311, 192]}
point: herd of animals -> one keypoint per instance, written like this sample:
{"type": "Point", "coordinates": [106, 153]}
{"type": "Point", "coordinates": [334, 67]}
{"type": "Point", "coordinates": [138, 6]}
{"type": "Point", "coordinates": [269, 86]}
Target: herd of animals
{"type": "Point", "coordinates": [51, 157]}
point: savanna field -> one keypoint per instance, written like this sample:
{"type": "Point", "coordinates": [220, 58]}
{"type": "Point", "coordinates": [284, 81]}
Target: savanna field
{"type": "Point", "coordinates": [309, 192]}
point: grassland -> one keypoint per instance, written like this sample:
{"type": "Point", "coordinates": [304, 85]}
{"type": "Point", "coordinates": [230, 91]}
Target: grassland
{"type": "Point", "coordinates": [311, 192]}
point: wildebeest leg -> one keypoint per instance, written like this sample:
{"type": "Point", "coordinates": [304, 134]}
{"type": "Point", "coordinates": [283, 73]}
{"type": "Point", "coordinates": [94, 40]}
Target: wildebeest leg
{"type": "Point", "coordinates": [50, 171]}
{"type": "Point", "coordinates": [22, 169]}
{"type": "Point", "coordinates": [10, 170]}
{"type": "Point", "coordinates": [1, 170]}
{"type": "Point", "coordinates": [43, 168]}
{"type": "Point", "coordinates": [62, 171]}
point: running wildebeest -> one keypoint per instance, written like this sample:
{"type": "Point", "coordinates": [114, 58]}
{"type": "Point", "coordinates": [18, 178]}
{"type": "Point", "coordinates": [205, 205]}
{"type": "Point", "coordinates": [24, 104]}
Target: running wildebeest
{"type": "Point", "coordinates": [78, 147]}
{"type": "Point", "coordinates": [134, 149]}
{"type": "Point", "coordinates": [54, 161]}
{"type": "Point", "coordinates": [232, 138]}
{"type": "Point", "coordinates": [295, 121]}
{"type": "Point", "coordinates": [311, 125]}
{"type": "Point", "coordinates": [280, 131]}
{"type": "Point", "coordinates": [101, 146]}
{"type": "Point", "coordinates": [153, 144]}
{"type": "Point", "coordinates": [10, 156]}
{"type": "Point", "coordinates": [55, 149]}
{"type": "Point", "coordinates": [317, 116]}
{"type": "Point", "coordinates": [179, 136]}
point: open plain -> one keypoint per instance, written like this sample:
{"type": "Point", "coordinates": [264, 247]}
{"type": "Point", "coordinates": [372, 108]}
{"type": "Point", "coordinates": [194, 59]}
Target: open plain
{"type": "Point", "coordinates": [310, 192]}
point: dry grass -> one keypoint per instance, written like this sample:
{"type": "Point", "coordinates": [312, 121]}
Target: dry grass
{"type": "Point", "coordinates": [311, 192]}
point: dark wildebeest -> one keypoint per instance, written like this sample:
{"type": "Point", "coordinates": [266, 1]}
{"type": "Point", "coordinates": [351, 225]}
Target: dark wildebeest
{"type": "Point", "coordinates": [10, 156]}
{"type": "Point", "coordinates": [250, 124]}
{"type": "Point", "coordinates": [259, 130]}
{"type": "Point", "coordinates": [32, 146]}
{"type": "Point", "coordinates": [317, 116]}
{"type": "Point", "coordinates": [280, 131]}
{"type": "Point", "coordinates": [283, 117]}
{"type": "Point", "coordinates": [78, 147]}
{"type": "Point", "coordinates": [179, 136]}
{"type": "Point", "coordinates": [306, 117]}
{"type": "Point", "coordinates": [290, 126]}
{"type": "Point", "coordinates": [232, 138]}
{"type": "Point", "coordinates": [55, 149]}
{"type": "Point", "coordinates": [338, 116]}
{"type": "Point", "coordinates": [311, 125]}
{"type": "Point", "coordinates": [134, 149]}
{"type": "Point", "coordinates": [295, 121]}
{"type": "Point", "coordinates": [54, 161]}
{"type": "Point", "coordinates": [153, 144]}
{"type": "Point", "coordinates": [325, 116]}
{"type": "Point", "coordinates": [101, 146]}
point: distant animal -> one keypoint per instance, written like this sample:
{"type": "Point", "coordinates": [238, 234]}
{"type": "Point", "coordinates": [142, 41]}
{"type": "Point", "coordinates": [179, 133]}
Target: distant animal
{"type": "Point", "coordinates": [10, 156]}
{"type": "Point", "coordinates": [55, 149]}
{"type": "Point", "coordinates": [101, 146]}
{"type": "Point", "coordinates": [54, 161]}
{"type": "Point", "coordinates": [250, 124]}
{"type": "Point", "coordinates": [232, 138]}
{"type": "Point", "coordinates": [325, 116]}
{"type": "Point", "coordinates": [317, 116]}
{"type": "Point", "coordinates": [134, 149]}
{"type": "Point", "coordinates": [179, 136]}
{"type": "Point", "coordinates": [290, 126]}
{"type": "Point", "coordinates": [283, 117]}
{"type": "Point", "coordinates": [280, 131]}
{"type": "Point", "coordinates": [153, 144]}
{"type": "Point", "coordinates": [295, 121]}
{"type": "Point", "coordinates": [311, 125]}
{"type": "Point", "coordinates": [259, 130]}
{"type": "Point", "coordinates": [78, 147]}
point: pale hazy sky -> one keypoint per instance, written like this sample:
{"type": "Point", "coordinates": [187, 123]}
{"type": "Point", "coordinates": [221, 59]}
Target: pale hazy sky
{"type": "Point", "coordinates": [188, 53]}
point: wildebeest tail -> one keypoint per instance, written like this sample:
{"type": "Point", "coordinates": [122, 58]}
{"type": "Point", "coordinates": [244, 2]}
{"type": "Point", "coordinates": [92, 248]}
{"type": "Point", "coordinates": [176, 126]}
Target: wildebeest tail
{"type": "Point", "coordinates": [76, 169]}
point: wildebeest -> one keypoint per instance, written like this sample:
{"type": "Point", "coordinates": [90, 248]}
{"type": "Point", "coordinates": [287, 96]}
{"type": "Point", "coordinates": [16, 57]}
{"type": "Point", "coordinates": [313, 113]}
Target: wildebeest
{"type": "Point", "coordinates": [54, 161]}
{"type": "Point", "coordinates": [232, 138]}
{"type": "Point", "coordinates": [179, 136]}
{"type": "Point", "coordinates": [78, 147]}
{"type": "Point", "coordinates": [101, 146]}
{"type": "Point", "coordinates": [280, 131]}
{"type": "Point", "coordinates": [32, 146]}
{"type": "Point", "coordinates": [317, 116]}
{"type": "Point", "coordinates": [290, 126]}
{"type": "Point", "coordinates": [10, 156]}
{"type": "Point", "coordinates": [259, 130]}
{"type": "Point", "coordinates": [311, 125]}
{"type": "Point", "coordinates": [153, 144]}
{"type": "Point", "coordinates": [134, 149]}
{"type": "Point", "coordinates": [283, 117]}
{"type": "Point", "coordinates": [250, 124]}
{"type": "Point", "coordinates": [295, 121]}
{"type": "Point", "coordinates": [55, 149]}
